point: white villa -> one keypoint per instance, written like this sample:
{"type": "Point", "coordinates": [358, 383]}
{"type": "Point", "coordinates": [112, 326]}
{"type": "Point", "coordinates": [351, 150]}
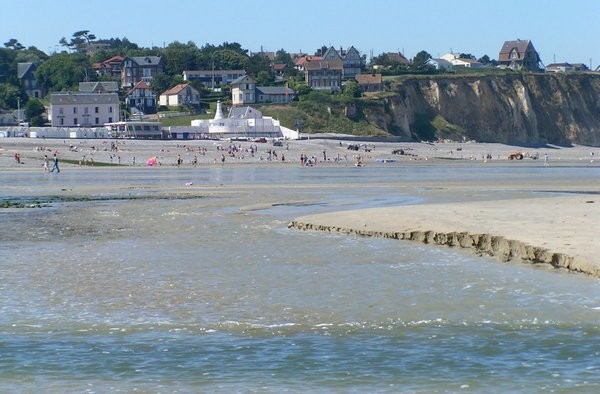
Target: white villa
{"type": "Point", "coordinates": [242, 122]}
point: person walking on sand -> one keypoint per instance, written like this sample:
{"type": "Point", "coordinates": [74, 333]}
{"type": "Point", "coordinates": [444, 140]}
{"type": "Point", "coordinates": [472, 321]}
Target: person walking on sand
{"type": "Point", "coordinates": [55, 165]}
{"type": "Point", "coordinates": [546, 160]}
{"type": "Point", "coordinates": [45, 165]}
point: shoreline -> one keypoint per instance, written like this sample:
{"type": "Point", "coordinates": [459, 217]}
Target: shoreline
{"type": "Point", "coordinates": [509, 230]}
{"type": "Point", "coordinates": [135, 153]}
{"type": "Point", "coordinates": [502, 228]}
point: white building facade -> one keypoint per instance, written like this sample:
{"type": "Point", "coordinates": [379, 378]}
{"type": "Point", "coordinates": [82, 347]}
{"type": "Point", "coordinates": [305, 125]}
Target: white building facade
{"type": "Point", "coordinates": [83, 109]}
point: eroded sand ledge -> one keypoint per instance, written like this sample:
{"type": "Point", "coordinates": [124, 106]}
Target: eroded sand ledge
{"type": "Point", "coordinates": [559, 231]}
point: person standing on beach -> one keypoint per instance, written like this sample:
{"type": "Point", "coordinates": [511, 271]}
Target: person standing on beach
{"type": "Point", "coordinates": [45, 165]}
{"type": "Point", "coordinates": [546, 160]}
{"type": "Point", "coordinates": [55, 165]}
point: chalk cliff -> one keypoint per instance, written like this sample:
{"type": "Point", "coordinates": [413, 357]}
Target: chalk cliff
{"type": "Point", "coordinates": [525, 109]}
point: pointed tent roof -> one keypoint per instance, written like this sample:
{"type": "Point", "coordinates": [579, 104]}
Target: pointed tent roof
{"type": "Point", "coordinates": [139, 85]}
{"type": "Point", "coordinates": [521, 46]}
{"type": "Point", "coordinates": [332, 54]}
{"type": "Point", "coordinates": [243, 79]}
{"type": "Point", "coordinates": [24, 68]}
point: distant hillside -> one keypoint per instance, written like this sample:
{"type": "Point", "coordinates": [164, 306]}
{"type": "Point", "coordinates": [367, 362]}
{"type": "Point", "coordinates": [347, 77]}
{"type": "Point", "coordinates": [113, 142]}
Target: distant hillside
{"type": "Point", "coordinates": [526, 109]}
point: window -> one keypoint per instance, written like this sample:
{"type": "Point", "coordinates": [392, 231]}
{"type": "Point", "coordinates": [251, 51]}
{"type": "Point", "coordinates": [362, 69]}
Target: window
{"type": "Point", "coordinates": [85, 110]}
{"type": "Point", "coordinates": [109, 120]}
{"type": "Point", "coordinates": [110, 110]}
{"type": "Point", "coordinates": [75, 122]}
{"type": "Point", "coordinates": [97, 120]}
{"type": "Point", "coordinates": [96, 109]}
{"type": "Point", "coordinates": [61, 111]}
{"type": "Point", "coordinates": [62, 121]}
{"type": "Point", "coordinates": [74, 110]}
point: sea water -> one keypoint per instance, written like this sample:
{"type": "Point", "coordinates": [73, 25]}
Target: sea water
{"type": "Point", "coordinates": [213, 293]}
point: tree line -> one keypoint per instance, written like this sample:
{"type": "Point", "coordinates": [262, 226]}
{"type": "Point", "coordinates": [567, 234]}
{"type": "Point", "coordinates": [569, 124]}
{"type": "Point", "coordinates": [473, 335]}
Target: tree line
{"type": "Point", "coordinates": [63, 70]}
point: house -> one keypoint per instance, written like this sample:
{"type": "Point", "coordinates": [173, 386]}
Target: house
{"type": "Point", "coordinates": [369, 82]}
{"type": "Point", "coordinates": [440, 64]}
{"type": "Point", "coordinates": [351, 60]}
{"type": "Point", "coordinates": [26, 76]}
{"type": "Point", "coordinates": [213, 78]}
{"type": "Point", "coordinates": [110, 67]}
{"type": "Point", "coordinates": [83, 109]}
{"type": "Point", "coordinates": [244, 91]}
{"type": "Point", "coordinates": [353, 63]}
{"type": "Point", "coordinates": [182, 94]}
{"type": "Point", "coordinates": [560, 68]}
{"type": "Point", "coordinates": [581, 67]}
{"type": "Point", "coordinates": [519, 55]}
{"type": "Point", "coordinates": [324, 74]}
{"type": "Point", "coordinates": [141, 98]}
{"type": "Point", "coordinates": [140, 68]}
{"type": "Point", "coordinates": [300, 62]}
{"type": "Point", "coordinates": [99, 87]}
{"type": "Point", "coordinates": [279, 69]}
{"type": "Point", "coordinates": [274, 94]}
{"type": "Point", "coordinates": [457, 61]}
{"type": "Point", "coordinates": [397, 57]}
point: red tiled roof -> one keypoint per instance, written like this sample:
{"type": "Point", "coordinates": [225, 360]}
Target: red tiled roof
{"type": "Point", "coordinates": [176, 89]}
{"type": "Point", "coordinates": [368, 79]}
{"type": "Point", "coordinates": [114, 59]}
{"type": "Point", "coordinates": [301, 61]}
{"type": "Point", "coordinates": [139, 85]}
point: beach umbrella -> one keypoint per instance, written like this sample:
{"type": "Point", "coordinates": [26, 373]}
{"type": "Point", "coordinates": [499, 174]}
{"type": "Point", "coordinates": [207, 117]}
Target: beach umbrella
{"type": "Point", "coordinates": [151, 161]}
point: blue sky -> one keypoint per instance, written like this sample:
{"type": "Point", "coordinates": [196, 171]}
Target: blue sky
{"type": "Point", "coordinates": [560, 31]}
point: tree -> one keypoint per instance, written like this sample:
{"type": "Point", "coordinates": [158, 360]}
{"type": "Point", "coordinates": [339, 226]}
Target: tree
{"type": "Point", "coordinates": [256, 64]}
{"type": "Point", "coordinates": [227, 59]}
{"type": "Point", "coordinates": [282, 57]}
{"type": "Point", "coordinates": [63, 71]}
{"type": "Point", "coordinates": [466, 56]}
{"type": "Point", "coordinates": [33, 111]}
{"type": "Point", "coordinates": [12, 96]}
{"type": "Point", "coordinates": [420, 60]}
{"type": "Point", "coordinates": [264, 78]}
{"type": "Point", "coordinates": [14, 44]}
{"type": "Point", "coordinates": [79, 42]}
{"type": "Point", "coordinates": [352, 89]}
{"type": "Point", "coordinates": [485, 59]}
{"type": "Point", "coordinates": [178, 57]}
{"type": "Point", "coordinates": [161, 83]}
{"type": "Point", "coordinates": [8, 67]}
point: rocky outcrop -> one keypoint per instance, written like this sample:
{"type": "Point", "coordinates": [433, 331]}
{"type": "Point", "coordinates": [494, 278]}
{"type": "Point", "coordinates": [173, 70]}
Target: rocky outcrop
{"type": "Point", "coordinates": [482, 244]}
{"type": "Point", "coordinates": [516, 109]}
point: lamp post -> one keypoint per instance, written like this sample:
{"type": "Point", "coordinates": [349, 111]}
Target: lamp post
{"type": "Point", "coordinates": [18, 110]}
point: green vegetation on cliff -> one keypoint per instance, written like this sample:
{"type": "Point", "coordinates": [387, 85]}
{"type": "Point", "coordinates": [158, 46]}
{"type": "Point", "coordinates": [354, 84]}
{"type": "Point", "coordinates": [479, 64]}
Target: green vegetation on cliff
{"type": "Point", "coordinates": [319, 112]}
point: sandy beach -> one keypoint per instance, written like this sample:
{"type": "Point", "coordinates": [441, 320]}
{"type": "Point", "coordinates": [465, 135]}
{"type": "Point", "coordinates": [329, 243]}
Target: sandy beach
{"type": "Point", "coordinates": [554, 230]}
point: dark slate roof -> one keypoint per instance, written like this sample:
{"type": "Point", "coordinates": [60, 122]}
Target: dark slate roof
{"type": "Point", "coordinates": [274, 90]}
{"type": "Point", "coordinates": [100, 86]}
{"type": "Point", "coordinates": [83, 98]}
{"type": "Point", "coordinates": [146, 60]}
{"type": "Point", "coordinates": [23, 68]}
{"type": "Point", "coordinates": [243, 79]}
